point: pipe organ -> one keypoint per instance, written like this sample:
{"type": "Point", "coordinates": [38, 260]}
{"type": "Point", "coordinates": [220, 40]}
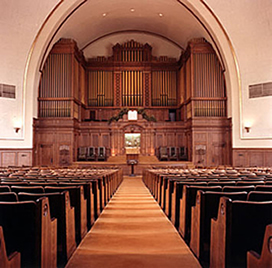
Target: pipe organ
{"type": "Point", "coordinates": [77, 97]}
{"type": "Point", "coordinates": [132, 88]}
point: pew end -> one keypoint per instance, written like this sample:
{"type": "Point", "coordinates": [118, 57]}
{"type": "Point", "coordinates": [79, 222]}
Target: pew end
{"type": "Point", "coordinates": [11, 261]}
{"type": "Point", "coordinates": [218, 235]}
{"type": "Point", "coordinates": [255, 260]}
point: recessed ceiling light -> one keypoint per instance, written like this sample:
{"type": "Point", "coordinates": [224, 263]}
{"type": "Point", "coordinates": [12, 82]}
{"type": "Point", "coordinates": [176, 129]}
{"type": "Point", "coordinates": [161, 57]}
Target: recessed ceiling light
{"type": "Point", "coordinates": [104, 14]}
{"type": "Point", "coordinates": [132, 9]}
{"type": "Point", "coordinates": [160, 14]}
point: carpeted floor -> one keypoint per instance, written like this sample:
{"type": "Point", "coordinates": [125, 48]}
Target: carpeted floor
{"type": "Point", "coordinates": [133, 232]}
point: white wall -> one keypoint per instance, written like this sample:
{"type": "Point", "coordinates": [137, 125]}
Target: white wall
{"type": "Point", "coordinates": [248, 24]}
{"type": "Point", "coordinates": [20, 21]}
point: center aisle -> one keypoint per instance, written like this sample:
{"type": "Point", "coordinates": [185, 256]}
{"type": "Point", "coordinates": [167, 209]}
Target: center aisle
{"type": "Point", "coordinates": [133, 232]}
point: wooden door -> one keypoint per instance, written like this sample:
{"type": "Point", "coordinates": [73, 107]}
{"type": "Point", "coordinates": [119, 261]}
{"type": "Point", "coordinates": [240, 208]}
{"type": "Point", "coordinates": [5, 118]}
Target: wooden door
{"type": "Point", "coordinates": [46, 154]}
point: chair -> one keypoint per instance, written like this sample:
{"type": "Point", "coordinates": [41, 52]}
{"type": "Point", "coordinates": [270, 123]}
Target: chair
{"type": "Point", "coordinates": [82, 153]}
{"type": "Point", "coordinates": [163, 155]}
{"type": "Point", "coordinates": [91, 153]}
{"type": "Point", "coordinates": [183, 154]}
{"type": "Point", "coordinates": [101, 155]}
{"type": "Point", "coordinates": [173, 153]}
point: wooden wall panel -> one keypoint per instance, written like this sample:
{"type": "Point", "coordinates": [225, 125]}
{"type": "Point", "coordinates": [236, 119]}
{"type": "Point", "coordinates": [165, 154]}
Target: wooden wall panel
{"type": "Point", "coordinates": [95, 140]}
{"type": "Point", "coordinates": [8, 159]}
{"type": "Point", "coordinates": [15, 157]}
{"type": "Point", "coordinates": [249, 157]}
{"type": "Point", "coordinates": [106, 140]}
{"type": "Point", "coordinates": [256, 159]}
{"type": "Point", "coordinates": [171, 139]}
{"type": "Point", "coordinates": [159, 139]}
{"type": "Point", "coordinates": [268, 158]}
{"type": "Point", "coordinates": [24, 159]}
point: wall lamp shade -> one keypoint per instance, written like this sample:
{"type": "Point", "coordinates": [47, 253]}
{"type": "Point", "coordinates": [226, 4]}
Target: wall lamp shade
{"type": "Point", "coordinates": [17, 129]}
{"type": "Point", "coordinates": [247, 129]}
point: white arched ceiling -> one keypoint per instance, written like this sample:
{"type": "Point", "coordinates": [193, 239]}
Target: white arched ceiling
{"type": "Point", "coordinates": [96, 24]}
{"type": "Point", "coordinates": [165, 18]}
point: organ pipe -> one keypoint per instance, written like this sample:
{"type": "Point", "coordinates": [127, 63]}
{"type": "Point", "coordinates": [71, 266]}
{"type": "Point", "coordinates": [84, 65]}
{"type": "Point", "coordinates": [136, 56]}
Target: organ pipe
{"type": "Point", "coordinates": [208, 84]}
{"type": "Point", "coordinates": [164, 88]}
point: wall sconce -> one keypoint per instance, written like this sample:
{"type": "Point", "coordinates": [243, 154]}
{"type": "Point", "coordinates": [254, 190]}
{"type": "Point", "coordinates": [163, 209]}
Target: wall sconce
{"type": "Point", "coordinates": [247, 129]}
{"type": "Point", "coordinates": [17, 124]}
{"type": "Point", "coordinates": [17, 129]}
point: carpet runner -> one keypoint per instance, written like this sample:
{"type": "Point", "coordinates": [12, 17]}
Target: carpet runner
{"type": "Point", "coordinates": [133, 232]}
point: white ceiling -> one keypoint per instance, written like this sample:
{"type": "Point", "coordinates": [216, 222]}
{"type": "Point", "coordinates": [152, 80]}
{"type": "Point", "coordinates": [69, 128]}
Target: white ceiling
{"type": "Point", "coordinates": [97, 25]}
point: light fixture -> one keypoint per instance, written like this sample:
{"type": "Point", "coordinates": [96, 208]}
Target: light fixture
{"type": "Point", "coordinates": [160, 14]}
{"type": "Point", "coordinates": [132, 9]}
{"type": "Point", "coordinates": [104, 14]}
{"type": "Point", "coordinates": [247, 129]}
{"type": "Point", "coordinates": [17, 124]}
{"type": "Point", "coordinates": [247, 126]}
{"type": "Point", "coordinates": [17, 129]}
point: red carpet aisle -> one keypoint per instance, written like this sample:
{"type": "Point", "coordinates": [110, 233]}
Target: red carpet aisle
{"type": "Point", "coordinates": [133, 232]}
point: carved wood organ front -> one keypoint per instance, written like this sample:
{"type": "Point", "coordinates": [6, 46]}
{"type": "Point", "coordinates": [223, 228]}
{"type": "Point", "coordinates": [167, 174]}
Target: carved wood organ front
{"type": "Point", "coordinates": [77, 97]}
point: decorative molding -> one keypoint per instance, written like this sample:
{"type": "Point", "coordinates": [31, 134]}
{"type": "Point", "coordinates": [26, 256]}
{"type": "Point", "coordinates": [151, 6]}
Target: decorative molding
{"type": "Point", "coordinates": [124, 111]}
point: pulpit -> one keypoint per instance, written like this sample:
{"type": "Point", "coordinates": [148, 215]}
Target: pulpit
{"type": "Point", "coordinates": [132, 154]}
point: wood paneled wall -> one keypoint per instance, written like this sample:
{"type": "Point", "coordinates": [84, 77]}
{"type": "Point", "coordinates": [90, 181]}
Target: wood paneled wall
{"type": "Point", "coordinates": [15, 157]}
{"type": "Point", "coordinates": [248, 157]}
{"type": "Point", "coordinates": [192, 88]}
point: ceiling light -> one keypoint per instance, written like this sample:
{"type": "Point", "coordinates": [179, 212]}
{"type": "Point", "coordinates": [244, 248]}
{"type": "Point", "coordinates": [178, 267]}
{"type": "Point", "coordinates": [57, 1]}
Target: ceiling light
{"type": "Point", "coordinates": [132, 9]}
{"type": "Point", "coordinates": [160, 14]}
{"type": "Point", "coordinates": [104, 14]}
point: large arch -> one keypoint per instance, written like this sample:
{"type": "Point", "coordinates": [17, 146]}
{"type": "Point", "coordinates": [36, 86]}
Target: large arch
{"type": "Point", "coordinates": [57, 18]}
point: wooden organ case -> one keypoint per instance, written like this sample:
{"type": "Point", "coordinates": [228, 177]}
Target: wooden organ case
{"type": "Point", "coordinates": [78, 96]}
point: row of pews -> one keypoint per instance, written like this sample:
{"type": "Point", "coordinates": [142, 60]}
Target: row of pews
{"type": "Point", "coordinates": [45, 213]}
{"type": "Point", "coordinates": [224, 215]}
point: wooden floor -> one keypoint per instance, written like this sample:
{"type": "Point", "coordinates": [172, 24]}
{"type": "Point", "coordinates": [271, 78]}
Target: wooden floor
{"type": "Point", "coordinates": [133, 232]}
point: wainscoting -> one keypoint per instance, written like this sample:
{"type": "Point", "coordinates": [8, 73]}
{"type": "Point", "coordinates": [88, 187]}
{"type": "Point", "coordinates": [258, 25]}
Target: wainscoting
{"type": "Point", "coordinates": [15, 157]}
{"type": "Point", "coordinates": [252, 157]}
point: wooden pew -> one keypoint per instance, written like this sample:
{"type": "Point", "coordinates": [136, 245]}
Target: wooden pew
{"type": "Point", "coordinates": [239, 227]}
{"type": "Point", "coordinates": [247, 188]}
{"type": "Point", "coordinates": [77, 201]}
{"type": "Point", "coordinates": [60, 208]}
{"type": "Point", "coordinates": [11, 261]}
{"type": "Point", "coordinates": [8, 197]}
{"type": "Point", "coordinates": [244, 183]}
{"type": "Point", "coordinates": [263, 260]}
{"type": "Point", "coordinates": [4, 188]}
{"type": "Point", "coordinates": [259, 196]}
{"type": "Point", "coordinates": [265, 188]}
{"type": "Point", "coordinates": [186, 202]}
{"type": "Point", "coordinates": [27, 189]}
{"type": "Point", "coordinates": [206, 208]}
{"type": "Point", "coordinates": [177, 196]}
{"type": "Point", "coordinates": [221, 183]}
{"type": "Point", "coordinates": [88, 195]}
{"type": "Point", "coordinates": [29, 229]}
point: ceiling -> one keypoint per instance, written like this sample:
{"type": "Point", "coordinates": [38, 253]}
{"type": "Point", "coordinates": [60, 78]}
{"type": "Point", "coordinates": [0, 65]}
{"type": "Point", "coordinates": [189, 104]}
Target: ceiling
{"type": "Point", "coordinates": [166, 25]}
